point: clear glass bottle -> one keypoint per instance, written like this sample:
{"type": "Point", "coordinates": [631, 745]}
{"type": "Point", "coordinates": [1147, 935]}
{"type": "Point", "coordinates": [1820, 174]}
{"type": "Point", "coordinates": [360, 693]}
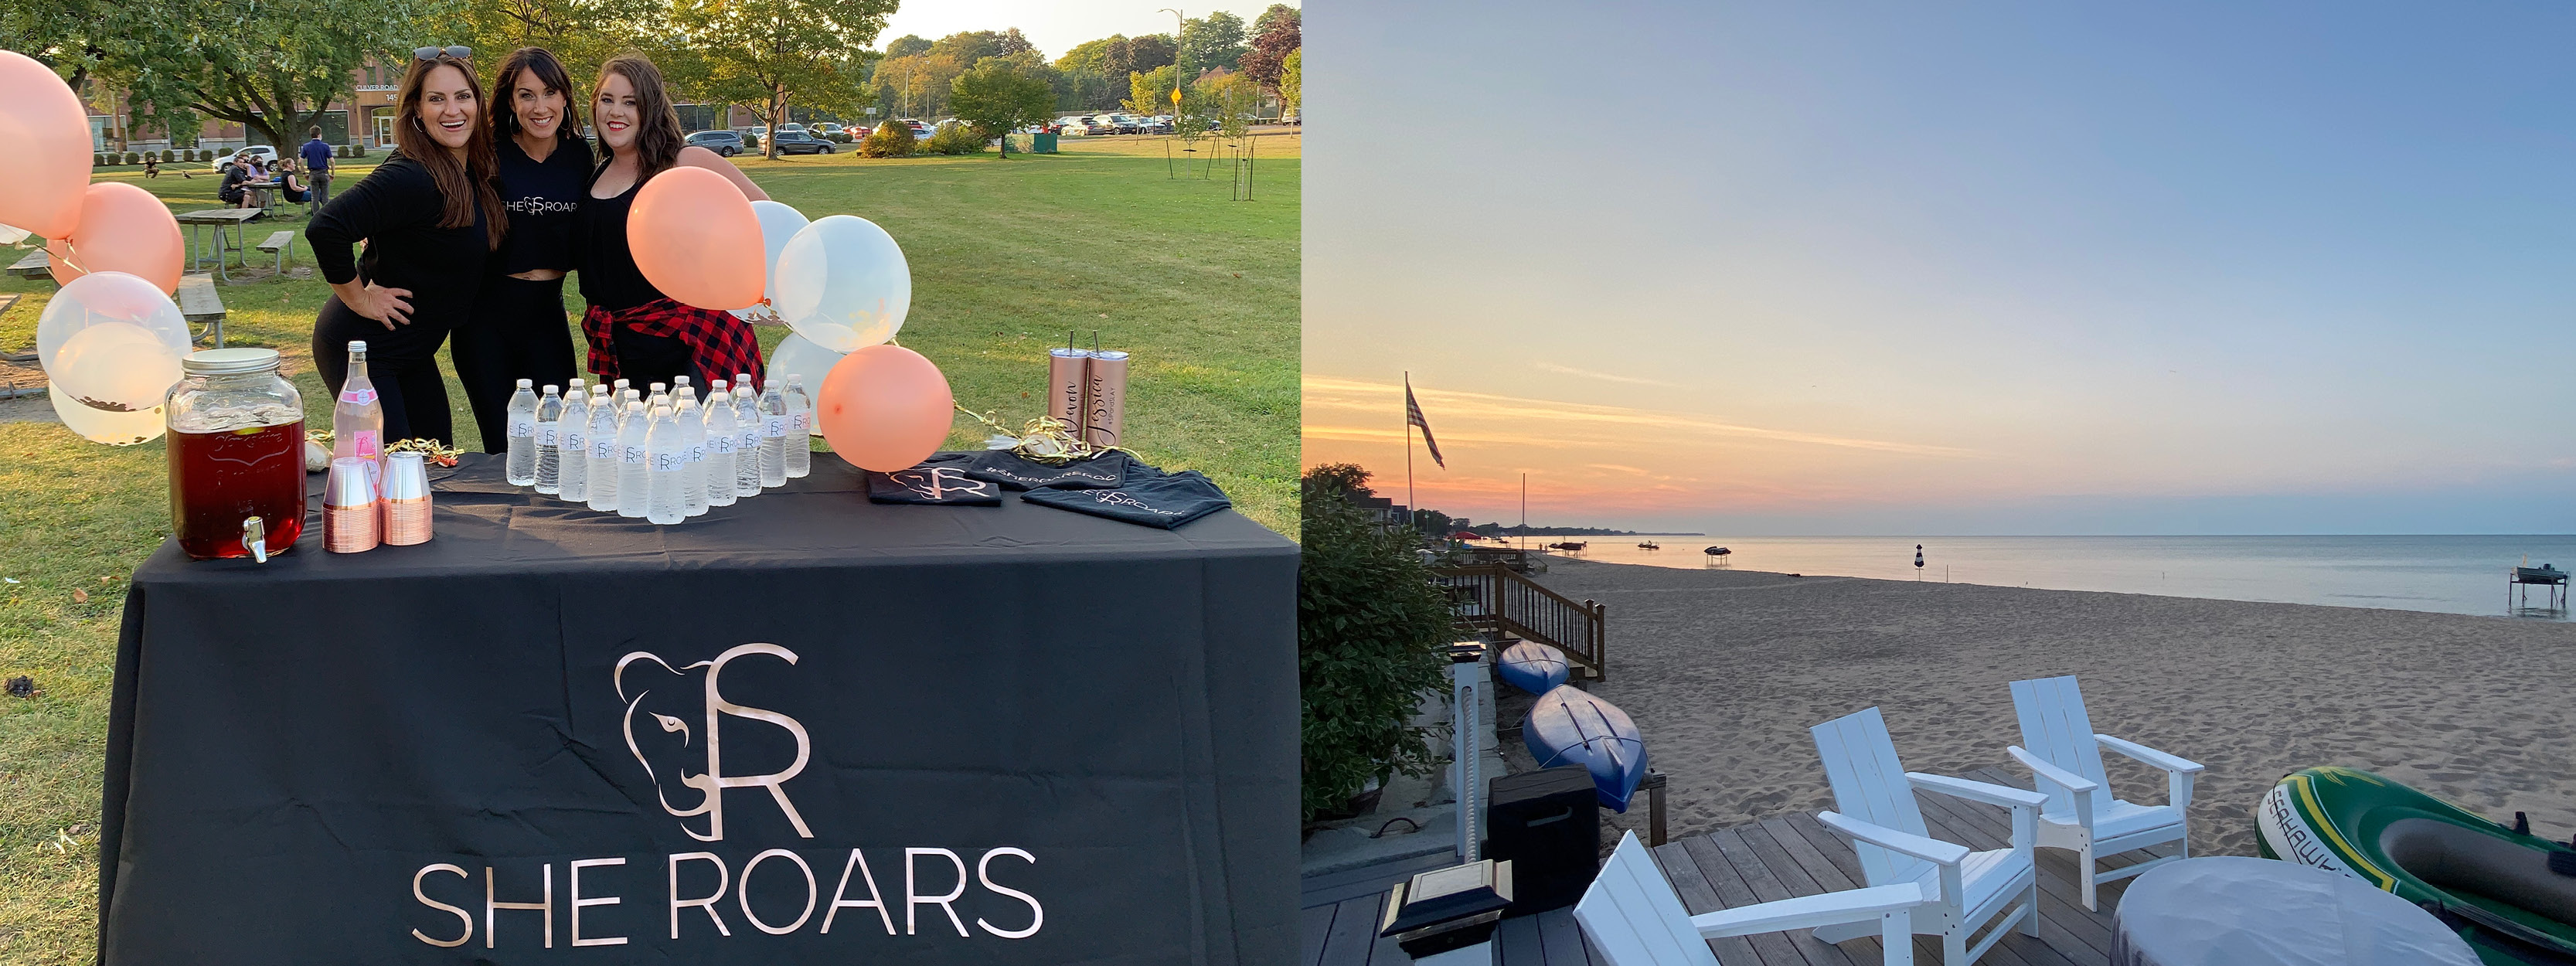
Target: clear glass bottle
{"type": "Point", "coordinates": [236, 455]}
{"type": "Point", "coordinates": [358, 417]}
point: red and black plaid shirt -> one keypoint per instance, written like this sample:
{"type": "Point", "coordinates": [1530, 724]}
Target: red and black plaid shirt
{"type": "Point", "coordinates": [720, 345]}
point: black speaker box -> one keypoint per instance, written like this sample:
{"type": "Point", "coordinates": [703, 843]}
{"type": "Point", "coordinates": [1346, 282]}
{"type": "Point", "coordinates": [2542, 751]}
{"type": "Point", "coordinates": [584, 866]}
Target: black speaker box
{"type": "Point", "coordinates": [1548, 823]}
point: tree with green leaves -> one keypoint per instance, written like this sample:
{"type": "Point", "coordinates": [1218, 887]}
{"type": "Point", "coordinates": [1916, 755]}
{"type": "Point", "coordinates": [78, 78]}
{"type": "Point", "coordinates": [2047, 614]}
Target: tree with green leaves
{"type": "Point", "coordinates": [771, 51]}
{"type": "Point", "coordinates": [1232, 100]}
{"type": "Point", "coordinates": [268, 65]}
{"type": "Point", "coordinates": [1150, 93]}
{"type": "Point", "coordinates": [907, 45]}
{"type": "Point", "coordinates": [1292, 84]}
{"type": "Point", "coordinates": [1212, 41]}
{"type": "Point", "coordinates": [582, 33]}
{"type": "Point", "coordinates": [1271, 46]}
{"type": "Point", "coordinates": [998, 96]}
{"type": "Point", "coordinates": [915, 85]}
{"type": "Point", "coordinates": [1272, 18]}
{"type": "Point", "coordinates": [1372, 632]}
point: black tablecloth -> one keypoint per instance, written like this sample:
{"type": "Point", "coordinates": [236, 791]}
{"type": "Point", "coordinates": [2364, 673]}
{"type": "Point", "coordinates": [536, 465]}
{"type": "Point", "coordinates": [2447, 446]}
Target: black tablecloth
{"type": "Point", "coordinates": [316, 760]}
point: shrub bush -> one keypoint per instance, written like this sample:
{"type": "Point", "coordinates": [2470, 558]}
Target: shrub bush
{"type": "Point", "coordinates": [168, 156]}
{"type": "Point", "coordinates": [888, 141]}
{"type": "Point", "coordinates": [956, 139]}
{"type": "Point", "coordinates": [1372, 632]}
{"type": "Point", "coordinates": [133, 157]}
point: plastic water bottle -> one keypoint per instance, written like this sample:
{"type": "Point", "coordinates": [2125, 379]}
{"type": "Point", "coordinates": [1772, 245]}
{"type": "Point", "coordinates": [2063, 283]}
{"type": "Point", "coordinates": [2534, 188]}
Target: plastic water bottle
{"type": "Point", "coordinates": [630, 396]}
{"type": "Point", "coordinates": [678, 383]}
{"type": "Point", "coordinates": [549, 427]}
{"type": "Point", "coordinates": [357, 417]}
{"type": "Point", "coordinates": [693, 454]}
{"type": "Point", "coordinates": [632, 475]}
{"type": "Point", "coordinates": [604, 461]}
{"type": "Point", "coordinates": [572, 446]}
{"type": "Point", "coordinates": [521, 468]}
{"type": "Point", "coordinates": [800, 429]}
{"type": "Point", "coordinates": [773, 436]}
{"type": "Point", "coordinates": [746, 441]}
{"type": "Point", "coordinates": [665, 502]}
{"type": "Point", "coordinates": [722, 477]}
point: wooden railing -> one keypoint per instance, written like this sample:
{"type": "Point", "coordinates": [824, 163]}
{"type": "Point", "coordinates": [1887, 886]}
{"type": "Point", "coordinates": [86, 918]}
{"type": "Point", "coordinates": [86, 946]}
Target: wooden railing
{"type": "Point", "coordinates": [1493, 598]}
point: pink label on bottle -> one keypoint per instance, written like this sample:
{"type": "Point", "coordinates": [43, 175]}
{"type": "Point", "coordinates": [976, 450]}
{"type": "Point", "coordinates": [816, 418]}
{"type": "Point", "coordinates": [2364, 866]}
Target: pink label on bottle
{"type": "Point", "coordinates": [358, 397]}
{"type": "Point", "coordinates": [363, 443]}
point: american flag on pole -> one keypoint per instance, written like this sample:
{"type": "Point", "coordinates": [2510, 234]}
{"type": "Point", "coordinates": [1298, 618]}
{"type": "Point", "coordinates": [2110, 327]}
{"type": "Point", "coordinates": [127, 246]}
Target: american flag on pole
{"type": "Point", "coordinates": [1413, 415]}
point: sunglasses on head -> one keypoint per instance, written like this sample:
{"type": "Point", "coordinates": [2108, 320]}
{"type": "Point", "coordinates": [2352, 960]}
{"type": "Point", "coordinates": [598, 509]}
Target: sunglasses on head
{"type": "Point", "coordinates": [431, 53]}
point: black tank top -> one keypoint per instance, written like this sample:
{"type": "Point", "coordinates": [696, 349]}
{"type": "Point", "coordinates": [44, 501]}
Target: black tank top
{"type": "Point", "coordinates": [609, 278]}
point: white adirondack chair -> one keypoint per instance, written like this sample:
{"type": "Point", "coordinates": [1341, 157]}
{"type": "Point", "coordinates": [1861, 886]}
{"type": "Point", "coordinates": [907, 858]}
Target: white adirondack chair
{"type": "Point", "coordinates": [1967, 889]}
{"type": "Point", "coordinates": [1633, 918]}
{"type": "Point", "coordinates": [2062, 752]}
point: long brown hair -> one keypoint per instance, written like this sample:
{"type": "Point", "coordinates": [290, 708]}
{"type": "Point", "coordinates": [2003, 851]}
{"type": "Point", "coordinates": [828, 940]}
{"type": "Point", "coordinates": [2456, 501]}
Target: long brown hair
{"type": "Point", "coordinates": [657, 123]}
{"type": "Point", "coordinates": [550, 75]}
{"type": "Point", "coordinates": [464, 186]}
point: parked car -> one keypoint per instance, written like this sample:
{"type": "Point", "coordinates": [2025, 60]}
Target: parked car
{"type": "Point", "coordinates": [726, 143]}
{"type": "Point", "coordinates": [799, 142]}
{"type": "Point", "coordinates": [1158, 124]}
{"type": "Point", "coordinates": [785, 128]}
{"type": "Point", "coordinates": [919, 130]}
{"type": "Point", "coordinates": [756, 131]}
{"type": "Point", "coordinates": [1093, 124]}
{"type": "Point", "coordinates": [1128, 123]}
{"type": "Point", "coordinates": [826, 129]}
{"type": "Point", "coordinates": [267, 155]}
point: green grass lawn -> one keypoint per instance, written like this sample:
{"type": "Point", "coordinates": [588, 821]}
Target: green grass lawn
{"type": "Point", "coordinates": [1006, 256]}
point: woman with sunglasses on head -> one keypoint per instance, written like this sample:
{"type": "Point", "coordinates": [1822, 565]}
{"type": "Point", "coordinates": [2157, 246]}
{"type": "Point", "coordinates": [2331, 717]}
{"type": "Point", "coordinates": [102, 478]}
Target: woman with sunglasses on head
{"type": "Point", "coordinates": [430, 218]}
{"type": "Point", "coordinates": [517, 329]}
{"type": "Point", "coordinates": [635, 332]}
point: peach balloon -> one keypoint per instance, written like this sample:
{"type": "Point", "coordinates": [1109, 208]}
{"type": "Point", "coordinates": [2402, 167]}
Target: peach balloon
{"type": "Point", "coordinates": [58, 260]}
{"type": "Point", "coordinates": [884, 408]}
{"type": "Point", "coordinates": [45, 161]}
{"type": "Point", "coordinates": [696, 238]}
{"type": "Point", "coordinates": [125, 229]}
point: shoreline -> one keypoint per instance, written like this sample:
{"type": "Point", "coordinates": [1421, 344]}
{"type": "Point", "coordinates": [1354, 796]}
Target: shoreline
{"type": "Point", "coordinates": [1724, 670]}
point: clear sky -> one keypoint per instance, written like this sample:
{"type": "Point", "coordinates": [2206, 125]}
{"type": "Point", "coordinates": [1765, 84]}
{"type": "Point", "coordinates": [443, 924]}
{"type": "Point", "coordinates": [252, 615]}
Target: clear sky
{"type": "Point", "coordinates": [1055, 26]}
{"type": "Point", "coordinates": [1951, 268]}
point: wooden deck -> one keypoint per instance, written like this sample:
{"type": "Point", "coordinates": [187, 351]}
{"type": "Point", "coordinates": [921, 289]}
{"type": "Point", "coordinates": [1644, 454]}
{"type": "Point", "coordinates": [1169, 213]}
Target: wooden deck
{"type": "Point", "coordinates": [1773, 859]}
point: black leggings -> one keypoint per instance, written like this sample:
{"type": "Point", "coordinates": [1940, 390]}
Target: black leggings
{"type": "Point", "coordinates": [402, 364]}
{"type": "Point", "coordinates": [643, 360]}
{"type": "Point", "coordinates": [517, 332]}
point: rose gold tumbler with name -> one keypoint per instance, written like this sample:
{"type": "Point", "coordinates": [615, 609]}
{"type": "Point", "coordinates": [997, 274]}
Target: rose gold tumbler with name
{"type": "Point", "coordinates": [1105, 410]}
{"type": "Point", "coordinates": [406, 500]}
{"type": "Point", "coordinates": [349, 511]}
{"type": "Point", "coordinates": [1068, 389]}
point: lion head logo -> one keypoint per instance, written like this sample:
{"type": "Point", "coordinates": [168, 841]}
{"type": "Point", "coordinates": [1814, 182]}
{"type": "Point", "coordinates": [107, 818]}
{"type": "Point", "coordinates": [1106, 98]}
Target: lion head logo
{"type": "Point", "coordinates": [672, 736]}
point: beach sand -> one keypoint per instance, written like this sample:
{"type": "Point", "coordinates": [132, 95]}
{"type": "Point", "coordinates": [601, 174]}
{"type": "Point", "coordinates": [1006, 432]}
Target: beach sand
{"type": "Point", "coordinates": [1725, 670]}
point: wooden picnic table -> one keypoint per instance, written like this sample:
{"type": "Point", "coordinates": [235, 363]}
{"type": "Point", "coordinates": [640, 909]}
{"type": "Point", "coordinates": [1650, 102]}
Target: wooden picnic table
{"type": "Point", "coordinates": [199, 304]}
{"type": "Point", "coordinates": [33, 266]}
{"type": "Point", "coordinates": [225, 220]}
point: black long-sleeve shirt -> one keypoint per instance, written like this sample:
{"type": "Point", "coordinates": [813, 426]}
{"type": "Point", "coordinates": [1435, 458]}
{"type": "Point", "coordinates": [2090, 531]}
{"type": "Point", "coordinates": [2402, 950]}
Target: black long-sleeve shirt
{"type": "Point", "coordinates": [396, 211]}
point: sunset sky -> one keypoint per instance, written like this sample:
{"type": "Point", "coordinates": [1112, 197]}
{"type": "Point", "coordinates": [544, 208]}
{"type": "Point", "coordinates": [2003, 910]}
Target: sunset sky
{"type": "Point", "coordinates": [1977, 268]}
{"type": "Point", "coordinates": [1055, 26]}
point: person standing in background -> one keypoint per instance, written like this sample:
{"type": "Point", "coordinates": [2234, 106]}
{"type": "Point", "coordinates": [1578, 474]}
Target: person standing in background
{"type": "Point", "coordinates": [518, 329]}
{"type": "Point", "coordinates": [317, 167]}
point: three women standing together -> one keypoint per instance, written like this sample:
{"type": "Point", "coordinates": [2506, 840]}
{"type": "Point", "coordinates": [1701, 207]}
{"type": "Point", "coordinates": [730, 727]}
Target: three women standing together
{"type": "Point", "coordinates": [471, 224]}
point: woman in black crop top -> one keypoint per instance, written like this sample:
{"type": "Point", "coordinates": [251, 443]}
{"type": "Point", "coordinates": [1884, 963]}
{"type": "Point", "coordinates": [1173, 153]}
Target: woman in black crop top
{"type": "Point", "coordinates": [430, 218]}
{"type": "Point", "coordinates": [635, 332]}
{"type": "Point", "coordinates": [517, 329]}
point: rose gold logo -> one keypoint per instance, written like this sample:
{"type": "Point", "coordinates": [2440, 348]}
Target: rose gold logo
{"type": "Point", "coordinates": [712, 781]}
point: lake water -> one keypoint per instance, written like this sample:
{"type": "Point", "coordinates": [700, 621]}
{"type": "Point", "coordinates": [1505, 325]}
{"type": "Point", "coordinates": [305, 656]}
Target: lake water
{"type": "Point", "coordinates": [2457, 575]}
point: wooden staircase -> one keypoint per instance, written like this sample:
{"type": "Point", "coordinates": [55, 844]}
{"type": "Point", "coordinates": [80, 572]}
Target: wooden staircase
{"type": "Point", "coordinates": [1492, 599]}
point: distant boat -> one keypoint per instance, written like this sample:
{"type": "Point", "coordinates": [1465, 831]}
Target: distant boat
{"type": "Point", "coordinates": [1649, 545]}
{"type": "Point", "coordinates": [2543, 574]}
{"type": "Point", "coordinates": [1569, 726]}
{"type": "Point", "coordinates": [1717, 551]}
{"type": "Point", "coordinates": [1568, 545]}
{"type": "Point", "coordinates": [1531, 666]}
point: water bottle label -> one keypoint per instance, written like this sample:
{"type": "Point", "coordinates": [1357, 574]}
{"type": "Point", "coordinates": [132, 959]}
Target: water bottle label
{"type": "Point", "coordinates": [363, 443]}
{"type": "Point", "coordinates": [523, 426]}
{"type": "Point", "coordinates": [722, 443]}
{"type": "Point", "coordinates": [603, 449]}
{"type": "Point", "coordinates": [773, 427]}
{"type": "Point", "coordinates": [573, 441]}
{"type": "Point", "coordinates": [546, 434]}
{"type": "Point", "coordinates": [698, 454]}
{"type": "Point", "coordinates": [749, 441]}
{"type": "Point", "coordinates": [803, 422]}
{"type": "Point", "coordinates": [666, 462]}
{"type": "Point", "coordinates": [357, 396]}
{"type": "Point", "coordinates": [634, 454]}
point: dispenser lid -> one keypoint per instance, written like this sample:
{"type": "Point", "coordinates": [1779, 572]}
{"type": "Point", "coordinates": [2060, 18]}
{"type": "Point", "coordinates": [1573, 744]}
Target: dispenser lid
{"type": "Point", "coordinates": [229, 362]}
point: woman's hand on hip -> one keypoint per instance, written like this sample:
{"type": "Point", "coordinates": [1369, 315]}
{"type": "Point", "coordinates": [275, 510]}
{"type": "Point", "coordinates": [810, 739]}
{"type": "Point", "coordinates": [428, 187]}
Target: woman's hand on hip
{"type": "Point", "coordinates": [385, 305]}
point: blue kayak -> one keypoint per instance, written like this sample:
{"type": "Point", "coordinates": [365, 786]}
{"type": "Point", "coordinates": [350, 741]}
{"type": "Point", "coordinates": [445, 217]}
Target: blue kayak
{"type": "Point", "coordinates": [1531, 666]}
{"type": "Point", "coordinates": [1568, 726]}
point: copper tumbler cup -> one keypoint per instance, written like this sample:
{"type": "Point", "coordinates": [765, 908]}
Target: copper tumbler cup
{"type": "Point", "coordinates": [406, 500]}
{"type": "Point", "coordinates": [349, 511]}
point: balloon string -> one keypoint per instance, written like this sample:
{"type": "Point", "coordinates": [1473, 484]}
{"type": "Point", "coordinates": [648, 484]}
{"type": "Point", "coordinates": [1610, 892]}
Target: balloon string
{"type": "Point", "coordinates": [1048, 440]}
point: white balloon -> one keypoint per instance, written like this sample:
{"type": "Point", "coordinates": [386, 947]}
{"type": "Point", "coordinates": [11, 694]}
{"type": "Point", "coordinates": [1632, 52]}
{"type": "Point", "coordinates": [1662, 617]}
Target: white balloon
{"type": "Point", "coordinates": [129, 365]}
{"type": "Point", "coordinates": [778, 223]}
{"type": "Point", "coordinates": [101, 426]}
{"type": "Point", "coordinates": [843, 283]}
{"type": "Point", "coordinates": [800, 357]}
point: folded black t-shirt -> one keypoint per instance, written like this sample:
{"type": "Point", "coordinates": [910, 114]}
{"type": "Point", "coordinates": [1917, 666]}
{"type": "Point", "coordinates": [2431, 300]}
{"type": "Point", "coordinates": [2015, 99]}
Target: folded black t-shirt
{"type": "Point", "coordinates": [1151, 498]}
{"type": "Point", "coordinates": [939, 481]}
{"type": "Point", "coordinates": [1021, 473]}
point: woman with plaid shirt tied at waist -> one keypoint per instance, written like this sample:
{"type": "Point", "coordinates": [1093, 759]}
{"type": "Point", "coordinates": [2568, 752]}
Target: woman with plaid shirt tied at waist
{"type": "Point", "coordinates": [635, 332]}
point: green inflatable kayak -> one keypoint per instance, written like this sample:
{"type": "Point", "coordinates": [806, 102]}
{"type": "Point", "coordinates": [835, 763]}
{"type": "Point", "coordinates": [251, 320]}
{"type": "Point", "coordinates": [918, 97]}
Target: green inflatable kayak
{"type": "Point", "coordinates": [2499, 887]}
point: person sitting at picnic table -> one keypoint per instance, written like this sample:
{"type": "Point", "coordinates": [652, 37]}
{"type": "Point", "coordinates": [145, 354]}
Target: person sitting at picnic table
{"type": "Point", "coordinates": [289, 184]}
{"type": "Point", "coordinates": [231, 191]}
